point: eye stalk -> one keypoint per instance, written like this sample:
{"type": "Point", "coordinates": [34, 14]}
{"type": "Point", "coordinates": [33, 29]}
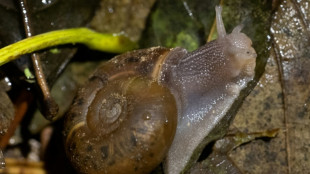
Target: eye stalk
{"type": "Point", "coordinates": [219, 23]}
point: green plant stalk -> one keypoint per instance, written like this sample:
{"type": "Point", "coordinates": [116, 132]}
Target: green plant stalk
{"type": "Point", "coordinates": [93, 40]}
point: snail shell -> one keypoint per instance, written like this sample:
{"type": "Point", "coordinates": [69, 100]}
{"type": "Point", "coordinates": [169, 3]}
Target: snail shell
{"type": "Point", "coordinates": [122, 121]}
{"type": "Point", "coordinates": [158, 88]}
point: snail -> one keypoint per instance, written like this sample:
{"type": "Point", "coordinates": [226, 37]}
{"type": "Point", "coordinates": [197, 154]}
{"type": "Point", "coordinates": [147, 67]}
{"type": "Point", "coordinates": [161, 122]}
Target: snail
{"type": "Point", "coordinates": [149, 104]}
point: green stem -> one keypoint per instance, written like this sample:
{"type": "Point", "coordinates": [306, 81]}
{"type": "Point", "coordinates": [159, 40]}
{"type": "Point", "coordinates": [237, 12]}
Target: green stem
{"type": "Point", "coordinates": [93, 40]}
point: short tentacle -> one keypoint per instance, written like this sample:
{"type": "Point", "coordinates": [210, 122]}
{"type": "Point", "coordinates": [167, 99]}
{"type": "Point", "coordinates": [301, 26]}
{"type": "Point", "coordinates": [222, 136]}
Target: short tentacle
{"type": "Point", "coordinates": [238, 28]}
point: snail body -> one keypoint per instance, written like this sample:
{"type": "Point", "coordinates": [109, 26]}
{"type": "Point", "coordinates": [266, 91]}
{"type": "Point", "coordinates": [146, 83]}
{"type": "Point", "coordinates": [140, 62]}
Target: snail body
{"type": "Point", "coordinates": [171, 97]}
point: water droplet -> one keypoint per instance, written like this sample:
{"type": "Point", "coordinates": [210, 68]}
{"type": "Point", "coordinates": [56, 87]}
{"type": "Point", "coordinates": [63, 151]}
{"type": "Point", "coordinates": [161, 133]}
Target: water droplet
{"type": "Point", "coordinates": [2, 162]}
{"type": "Point", "coordinates": [147, 116]}
{"type": "Point", "coordinates": [166, 121]}
{"type": "Point", "coordinates": [8, 82]}
{"type": "Point", "coordinates": [46, 2]}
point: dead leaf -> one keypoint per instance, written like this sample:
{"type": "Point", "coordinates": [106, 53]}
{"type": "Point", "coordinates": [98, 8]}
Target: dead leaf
{"type": "Point", "coordinates": [281, 98]}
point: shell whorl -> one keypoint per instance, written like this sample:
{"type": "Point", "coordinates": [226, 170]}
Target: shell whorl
{"type": "Point", "coordinates": [107, 110]}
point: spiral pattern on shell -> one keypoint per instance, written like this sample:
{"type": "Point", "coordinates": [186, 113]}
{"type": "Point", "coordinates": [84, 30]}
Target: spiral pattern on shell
{"type": "Point", "coordinates": [107, 110]}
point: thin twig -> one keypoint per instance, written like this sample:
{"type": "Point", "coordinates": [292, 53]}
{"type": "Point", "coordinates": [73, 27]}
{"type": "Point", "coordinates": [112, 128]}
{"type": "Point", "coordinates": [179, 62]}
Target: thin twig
{"type": "Point", "coordinates": [50, 106]}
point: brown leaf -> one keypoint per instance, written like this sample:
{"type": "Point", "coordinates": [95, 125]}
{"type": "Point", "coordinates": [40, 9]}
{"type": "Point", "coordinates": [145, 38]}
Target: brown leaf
{"type": "Point", "coordinates": [281, 98]}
